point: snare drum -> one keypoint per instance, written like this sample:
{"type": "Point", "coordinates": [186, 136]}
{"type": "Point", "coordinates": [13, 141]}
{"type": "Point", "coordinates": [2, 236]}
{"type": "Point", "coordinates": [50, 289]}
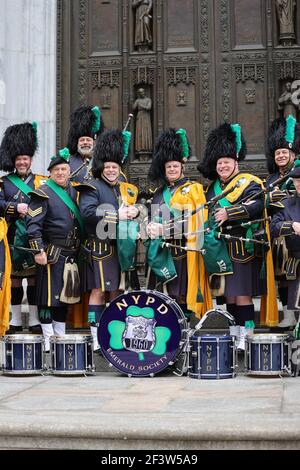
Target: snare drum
{"type": "Point", "coordinates": [141, 333]}
{"type": "Point", "coordinates": [23, 354]}
{"type": "Point", "coordinates": [72, 354]}
{"type": "Point", "coordinates": [267, 354]}
{"type": "Point", "coordinates": [212, 357]}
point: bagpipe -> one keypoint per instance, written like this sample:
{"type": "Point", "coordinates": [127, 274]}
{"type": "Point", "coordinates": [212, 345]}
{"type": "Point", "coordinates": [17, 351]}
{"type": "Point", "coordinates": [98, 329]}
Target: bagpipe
{"type": "Point", "coordinates": [21, 255]}
{"type": "Point", "coordinates": [88, 162]}
{"type": "Point", "coordinates": [269, 189]}
{"type": "Point", "coordinates": [210, 226]}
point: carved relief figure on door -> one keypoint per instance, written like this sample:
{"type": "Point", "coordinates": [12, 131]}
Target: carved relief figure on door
{"type": "Point", "coordinates": [143, 24]}
{"type": "Point", "coordinates": [286, 18]}
{"type": "Point", "coordinates": [143, 128]}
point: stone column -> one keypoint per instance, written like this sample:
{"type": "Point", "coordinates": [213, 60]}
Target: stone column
{"type": "Point", "coordinates": [28, 70]}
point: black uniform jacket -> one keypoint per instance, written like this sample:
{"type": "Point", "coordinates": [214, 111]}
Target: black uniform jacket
{"type": "Point", "coordinates": [76, 162]}
{"type": "Point", "coordinates": [237, 213]}
{"type": "Point", "coordinates": [274, 200]}
{"type": "Point", "coordinates": [11, 196]}
{"type": "Point", "coordinates": [50, 221]}
{"type": "Point", "coordinates": [282, 222]}
{"type": "Point", "coordinates": [99, 202]}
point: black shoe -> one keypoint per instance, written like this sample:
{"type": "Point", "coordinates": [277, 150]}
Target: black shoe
{"type": "Point", "coordinates": [98, 352]}
{"type": "Point", "coordinates": [35, 329]}
{"type": "Point", "coordinates": [14, 329]}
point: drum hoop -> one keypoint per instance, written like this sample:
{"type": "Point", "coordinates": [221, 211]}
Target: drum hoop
{"type": "Point", "coordinates": [267, 372]}
{"type": "Point", "coordinates": [23, 339]}
{"type": "Point", "coordinates": [267, 338]}
{"type": "Point", "coordinates": [71, 339]}
{"type": "Point", "coordinates": [22, 372]}
{"type": "Point", "coordinates": [212, 376]}
{"type": "Point", "coordinates": [74, 372]}
{"type": "Point", "coordinates": [207, 336]}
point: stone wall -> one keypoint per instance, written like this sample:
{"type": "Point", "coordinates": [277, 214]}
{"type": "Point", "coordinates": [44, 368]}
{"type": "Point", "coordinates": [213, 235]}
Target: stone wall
{"type": "Point", "coordinates": [28, 70]}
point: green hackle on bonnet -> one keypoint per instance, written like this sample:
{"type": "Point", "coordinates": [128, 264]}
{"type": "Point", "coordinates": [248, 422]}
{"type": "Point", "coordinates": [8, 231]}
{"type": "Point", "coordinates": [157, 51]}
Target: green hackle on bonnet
{"type": "Point", "coordinates": [183, 143]}
{"type": "Point", "coordinates": [65, 154]}
{"type": "Point", "coordinates": [238, 137]}
{"type": "Point", "coordinates": [126, 143]}
{"type": "Point", "coordinates": [34, 127]}
{"type": "Point", "coordinates": [290, 129]}
{"type": "Point", "coordinates": [96, 124]}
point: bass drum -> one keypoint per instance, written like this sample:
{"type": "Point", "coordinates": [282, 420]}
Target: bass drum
{"type": "Point", "coordinates": [141, 333]}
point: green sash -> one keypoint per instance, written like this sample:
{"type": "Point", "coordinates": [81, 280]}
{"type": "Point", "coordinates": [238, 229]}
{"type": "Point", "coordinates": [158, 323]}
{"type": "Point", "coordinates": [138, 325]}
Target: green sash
{"type": "Point", "coordinates": [218, 190]}
{"type": "Point", "coordinates": [19, 183]}
{"type": "Point", "coordinates": [167, 195]}
{"type": "Point", "coordinates": [67, 200]}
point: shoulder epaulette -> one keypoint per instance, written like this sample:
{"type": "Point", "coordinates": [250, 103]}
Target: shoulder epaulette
{"type": "Point", "coordinates": [154, 189]}
{"type": "Point", "coordinates": [82, 186]}
{"type": "Point", "coordinates": [39, 193]}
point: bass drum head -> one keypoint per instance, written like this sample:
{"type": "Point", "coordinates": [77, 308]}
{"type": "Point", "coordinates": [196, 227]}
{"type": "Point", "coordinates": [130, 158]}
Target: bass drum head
{"type": "Point", "coordinates": [140, 332]}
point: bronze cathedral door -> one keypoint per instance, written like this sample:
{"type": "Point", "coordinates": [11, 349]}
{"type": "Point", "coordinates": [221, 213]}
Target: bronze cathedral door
{"type": "Point", "coordinates": [181, 63]}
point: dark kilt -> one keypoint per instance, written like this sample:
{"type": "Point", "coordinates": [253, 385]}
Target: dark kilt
{"type": "Point", "coordinates": [100, 265]}
{"type": "Point", "coordinates": [245, 279]}
{"type": "Point", "coordinates": [49, 278]}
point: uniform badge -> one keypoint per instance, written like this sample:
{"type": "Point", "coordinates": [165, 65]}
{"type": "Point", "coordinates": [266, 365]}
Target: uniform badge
{"type": "Point", "coordinates": [139, 334]}
{"type": "Point", "coordinates": [185, 190]}
{"type": "Point", "coordinates": [33, 213]}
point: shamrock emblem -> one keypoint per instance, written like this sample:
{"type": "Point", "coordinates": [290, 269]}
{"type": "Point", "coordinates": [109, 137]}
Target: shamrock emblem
{"type": "Point", "coordinates": [138, 333]}
{"type": "Point", "coordinates": [130, 192]}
